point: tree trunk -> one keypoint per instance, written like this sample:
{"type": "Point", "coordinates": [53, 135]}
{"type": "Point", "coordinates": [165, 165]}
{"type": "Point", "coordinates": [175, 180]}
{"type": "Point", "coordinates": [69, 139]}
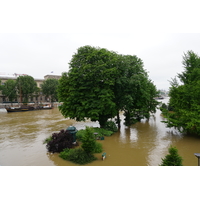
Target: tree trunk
{"type": "Point", "coordinates": [127, 118]}
{"type": "Point", "coordinates": [118, 121]}
{"type": "Point", "coordinates": [102, 121]}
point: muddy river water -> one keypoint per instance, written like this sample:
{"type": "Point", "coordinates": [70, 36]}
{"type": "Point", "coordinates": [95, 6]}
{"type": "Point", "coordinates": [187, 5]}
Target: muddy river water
{"type": "Point", "coordinates": [142, 144]}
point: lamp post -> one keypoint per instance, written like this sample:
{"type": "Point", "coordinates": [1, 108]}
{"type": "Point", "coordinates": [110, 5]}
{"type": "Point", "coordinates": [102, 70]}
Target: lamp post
{"type": "Point", "coordinates": [198, 156]}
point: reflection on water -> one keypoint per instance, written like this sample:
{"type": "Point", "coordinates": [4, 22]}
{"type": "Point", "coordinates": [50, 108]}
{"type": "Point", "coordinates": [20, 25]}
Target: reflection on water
{"type": "Point", "coordinates": [142, 144]}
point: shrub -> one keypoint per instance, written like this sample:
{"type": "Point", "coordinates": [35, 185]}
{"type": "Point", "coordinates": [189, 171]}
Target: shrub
{"type": "Point", "coordinates": [173, 158]}
{"type": "Point", "coordinates": [78, 156]}
{"type": "Point", "coordinates": [60, 141]}
{"type": "Point", "coordinates": [102, 132]}
{"type": "Point", "coordinates": [98, 148]}
{"type": "Point", "coordinates": [111, 126]}
{"type": "Point", "coordinates": [163, 106]}
{"type": "Point", "coordinates": [64, 154]}
{"type": "Point", "coordinates": [88, 140]}
{"type": "Point", "coordinates": [79, 134]}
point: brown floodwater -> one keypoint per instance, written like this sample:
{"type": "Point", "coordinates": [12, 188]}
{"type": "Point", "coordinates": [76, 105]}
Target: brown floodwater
{"type": "Point", "coordinates": [142, 144]}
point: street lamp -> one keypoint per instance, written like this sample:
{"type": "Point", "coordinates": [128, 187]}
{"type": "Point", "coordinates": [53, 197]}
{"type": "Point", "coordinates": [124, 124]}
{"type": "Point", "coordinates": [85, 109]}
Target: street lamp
{"type": "Point", "coordinates": [198, 156]}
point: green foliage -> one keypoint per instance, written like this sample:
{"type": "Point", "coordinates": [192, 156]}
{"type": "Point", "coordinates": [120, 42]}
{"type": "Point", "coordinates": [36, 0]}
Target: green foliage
{"type": "Point", "coordinates": [98, 148]}
{"type": "Point", "coordinates": [65, 153]}
{"type": "Point", "coordinates": [89, 146]}
{"type": "Point", "coordinates": [88, 141]}
{"type": "Point", "coordinates": [185, 98]}
{"type": "Point", "coordinates": [49, 89]}
{"type": "Point", "coordinates": [79, 134]}
{"type": "Point", "coordinates": [111, 126]}
{"type": "Point", "coordinates": [78, 156]}
{"type": "Point", "coordinates": [26, 86]}
{"type": "Point", "coordinates": [37, 92]}
{"type": "Point", "coordinates": [86, 90]}
{"type": "Point", "coordinates": [191, 63]}
{"type": "Point", "coordinates": [101, 132]}
{"type": "Point", "coordinates": [100, 83]}
{"type": "Point", "coordinates": [9, 89]}
{"type": "Point", "coordinates": [134, 91]}
{"type": "Point", "coordinates": [173, 158]}
{"type": "Point", "coordinates": [164, 106]}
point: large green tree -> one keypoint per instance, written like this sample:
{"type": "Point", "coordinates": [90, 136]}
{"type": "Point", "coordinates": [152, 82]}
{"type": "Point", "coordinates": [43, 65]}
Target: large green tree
{"type": "Point", "coordinates": [87, 89]}
{"type": "Point", "coordinates": [9, 89]}
{"type": "Point", "coordinates": [26, 86]}
{"type": "Point", "coordinates": [100, 83]}
{"type": "Point", "coordinates": [49, 89]}
{"type": "Point", "coordinates": [134, 91]}
{"type": "Point", "coordinates": [185, 97]}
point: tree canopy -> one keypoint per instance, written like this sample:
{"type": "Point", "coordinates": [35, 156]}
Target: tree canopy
{"type": "Point", "coordinates": [185, 97]}
{"type": "Point", "coordinates": [100, 83]}
{"type": "Point", "coordinates": [134, 91]}
{"type": "Point", "coordinates": [26, 86]}
{"type": "Point", "coordinates": [49, 89]}
{"type": "Point", "coordinates": [9, 89]}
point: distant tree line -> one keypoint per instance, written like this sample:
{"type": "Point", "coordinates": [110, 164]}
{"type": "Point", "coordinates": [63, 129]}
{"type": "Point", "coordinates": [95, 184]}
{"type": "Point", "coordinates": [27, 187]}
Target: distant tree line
{"type": "Point", "coordinates": [101, 83]}
{"type": "Point", "coordinates": [25, 87]}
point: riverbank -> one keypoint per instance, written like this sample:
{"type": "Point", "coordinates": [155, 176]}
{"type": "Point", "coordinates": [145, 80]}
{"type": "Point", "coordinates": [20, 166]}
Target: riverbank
{"type": "Point", "coordinates": [6, 105]}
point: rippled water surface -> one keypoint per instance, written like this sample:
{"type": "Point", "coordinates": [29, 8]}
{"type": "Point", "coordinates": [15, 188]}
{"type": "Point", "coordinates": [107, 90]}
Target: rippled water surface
{"type": "Point", "coordinates": [142, 144]}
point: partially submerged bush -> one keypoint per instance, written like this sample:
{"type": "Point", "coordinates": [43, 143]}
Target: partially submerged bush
{"type": "Point", "coordinates": [85, 154]}
{"type": "Point", "coordinates": [111, 126]}
{"type": "Point", "coordinates": [101, 132]}
{"type": "Point", "coordinates": [98, 148]}
{"type": "Point", "coordinates": [88, 140]}
{"type": "Point", "coordinates": [79, 134]}
{"type": "Point", "coordinates": [78, 156]}
{"type": "Point", "coordinates": [60, 141]}
{"type": "Point", "coordinates": [173, 158]}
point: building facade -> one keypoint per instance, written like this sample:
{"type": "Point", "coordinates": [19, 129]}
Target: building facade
{"type": "Point", "coordinates": [35, 99]}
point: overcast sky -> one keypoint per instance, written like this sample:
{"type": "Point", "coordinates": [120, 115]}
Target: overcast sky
{"type": "Point", "coordinates": [40, 38]}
